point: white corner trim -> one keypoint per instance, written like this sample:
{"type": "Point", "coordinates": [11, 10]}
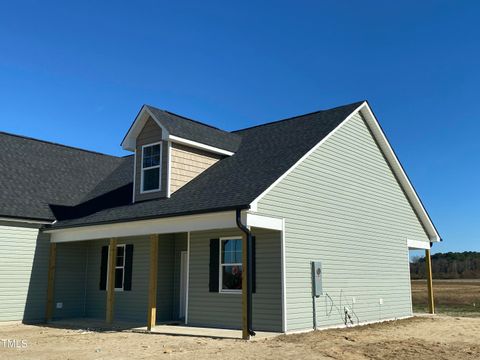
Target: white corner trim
{"type": "Point", "coordinates": [198, 145]}
{"type": "Point", "coordinates": [130, 140]}
{"type": "Point", "coordinates": [284, 281]}
{"type": "Point", "coordinates": [417, 244]}
{"type": "Point", "coordinates": [254, 204]}
{"type": "Point", "coordinates": [208, 221]}
{"type": "Point", "coordinates": [389, 154]}
{"type": "Point", "coordinates": [169, 167]}
{"type": "Point", "coordinates": [264, 222]}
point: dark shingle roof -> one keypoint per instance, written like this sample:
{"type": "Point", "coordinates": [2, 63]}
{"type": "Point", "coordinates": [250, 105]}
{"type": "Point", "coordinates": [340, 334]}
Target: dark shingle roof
{"type": "Point", "coordinates": [265, 153]}
{"type": "Point", "coordinates": [35, 174]}
{"type": "Point", "coordinates": [194, 130]}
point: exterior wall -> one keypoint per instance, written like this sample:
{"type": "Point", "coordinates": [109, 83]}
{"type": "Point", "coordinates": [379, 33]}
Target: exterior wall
{"type": "Point", "coordinates": [70, 274]}
{"type": "Point", "coordinates": [151, 133]}
{"type": "Point", "coordinates": [225, 310]}
{"type": "Point", "coordinates": [128, 305]}
{"type": "Point", "coordinates": [24, 255]}
{"type": "Point", "coordinates": [344, 207]}
{"type": "Point", "coordinates": [77, 280]}
{"type": "Point", "coordinates": [166, 261]}
{"type": "Point", "coordinates": [188, 163]}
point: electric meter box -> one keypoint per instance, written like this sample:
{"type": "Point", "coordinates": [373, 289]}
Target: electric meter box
{"type": "Point", "coordinates": [317, 278]}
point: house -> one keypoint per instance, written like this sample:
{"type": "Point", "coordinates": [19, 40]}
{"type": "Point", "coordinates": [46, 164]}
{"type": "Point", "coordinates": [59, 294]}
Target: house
{"type": "Point", "coordinates": [287, 226]}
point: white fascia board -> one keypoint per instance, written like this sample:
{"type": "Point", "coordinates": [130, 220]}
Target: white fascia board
{"type": "Point", "coordinates": [198, 145]}
{"type": "Point", "coordinates": [417, 244]}
{"type": "Point", "coordinates": [130, 141]}
{"type": "Point", "coordinates": [264, 222]}
{"type": "Point", "coordinates": [208, 221]}
{"type": "Point", "coordinates": [389, 154]}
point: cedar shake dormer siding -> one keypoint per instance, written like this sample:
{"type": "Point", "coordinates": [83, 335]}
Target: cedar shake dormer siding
{"type": "Point", "coordinates": [151, 133]}
{"type": "Point", "coordinates": [188, 163]}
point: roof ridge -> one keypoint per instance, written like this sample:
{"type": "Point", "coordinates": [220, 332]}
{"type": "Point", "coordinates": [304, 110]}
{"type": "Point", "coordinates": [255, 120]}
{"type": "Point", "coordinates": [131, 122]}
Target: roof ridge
{"type": "Point", "coordinates": [297, 116]}
{"type": "Point", "coordinates": [187, 118]}
{"type": "Point", "coordinates": [193, 120]}
{"type": "Point", "coordinates": [58, 144]}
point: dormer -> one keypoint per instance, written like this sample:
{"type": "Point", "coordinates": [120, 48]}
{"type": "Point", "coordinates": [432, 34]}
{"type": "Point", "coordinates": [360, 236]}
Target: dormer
{"type": "Point", "coordinates": [171, 150]}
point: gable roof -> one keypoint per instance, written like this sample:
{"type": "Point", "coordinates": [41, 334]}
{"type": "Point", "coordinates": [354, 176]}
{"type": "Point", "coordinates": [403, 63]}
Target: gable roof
{"type": "Point", "coordinates": [265, 153]}
{"type": "Point", "coordinates": [183, 128]}
{"type": "Point", "coordinates": [103, 184]}
{"type": "Point", "coordinates": [36, 173]}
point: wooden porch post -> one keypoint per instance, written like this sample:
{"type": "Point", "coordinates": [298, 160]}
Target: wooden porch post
{"type": "Point", "coordinates": [112, 257]}
{"type": "Point", "coordinates": [245, 334]}
{"type": "Point", "coordinates": [51, 281]}
{"type": "Point", "coordinates": [428, 262]}
{"type": "Point", "coordinates": [152, 292]}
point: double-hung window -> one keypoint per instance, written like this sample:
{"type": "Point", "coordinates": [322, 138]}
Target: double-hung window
{"type": "Point", "coordinates": [120, 267]}
{"type": "Point", "coordinates": [230, 264]}
{"type": "Point", "coordinates": [151, 167]}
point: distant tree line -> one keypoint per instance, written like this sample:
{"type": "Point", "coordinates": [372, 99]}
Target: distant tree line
{"type": "Point", "coordinates": [451, 265]}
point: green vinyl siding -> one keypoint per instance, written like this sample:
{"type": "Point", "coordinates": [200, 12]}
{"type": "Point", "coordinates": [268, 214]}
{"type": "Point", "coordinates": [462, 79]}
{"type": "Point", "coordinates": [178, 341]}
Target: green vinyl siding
{"type": "Point", "coordinates": [344, 207]}
{"type": "Point", "coordinates": [225, 310]}
{"type": "Point", "coordinates": [70, 274]}
{"type": "Point", "coordinates": [78, 275]}
{"type": "Point", "coordinates": [24, 256]}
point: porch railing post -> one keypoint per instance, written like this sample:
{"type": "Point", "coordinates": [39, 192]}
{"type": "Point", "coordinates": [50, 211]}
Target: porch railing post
{"type": "Point", "coordinates": [112, 256]}
{"type": "Point", "coordinates": [152, 292]}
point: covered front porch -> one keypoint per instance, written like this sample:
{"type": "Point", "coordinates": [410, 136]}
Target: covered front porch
{"type": "Point", "coordinates": [163, 278]}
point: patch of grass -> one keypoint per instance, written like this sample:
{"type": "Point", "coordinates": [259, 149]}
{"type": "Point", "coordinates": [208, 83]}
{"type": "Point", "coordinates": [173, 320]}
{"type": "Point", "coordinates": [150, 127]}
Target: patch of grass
{"type": "Point", "coordinates": [452, 297]}
{"type": "Point", "coordinates": [452, 310]}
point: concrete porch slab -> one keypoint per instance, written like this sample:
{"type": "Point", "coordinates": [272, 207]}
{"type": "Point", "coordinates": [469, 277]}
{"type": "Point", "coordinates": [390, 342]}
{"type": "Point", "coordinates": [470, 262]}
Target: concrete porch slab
{"type": "Point", "coordinates": [92, 324]}
{"type": "Point", "coordinates": [183, 330]}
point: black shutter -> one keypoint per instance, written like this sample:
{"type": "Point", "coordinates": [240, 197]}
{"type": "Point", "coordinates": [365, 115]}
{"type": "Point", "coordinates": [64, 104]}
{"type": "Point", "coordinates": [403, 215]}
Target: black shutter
{"type": "Point", "coordinates": [254, 265]}
{"type": "Point", "coordinates": [127, 281]}
{"type": "Point", "coordinates": [103, 268]}
{"type": "Point", "coordinates": [214, 257]}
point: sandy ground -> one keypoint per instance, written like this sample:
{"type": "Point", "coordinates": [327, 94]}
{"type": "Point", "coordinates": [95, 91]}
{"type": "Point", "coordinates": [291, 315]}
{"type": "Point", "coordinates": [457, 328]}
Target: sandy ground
{"type": "Point", "coordinates": [439, 337]}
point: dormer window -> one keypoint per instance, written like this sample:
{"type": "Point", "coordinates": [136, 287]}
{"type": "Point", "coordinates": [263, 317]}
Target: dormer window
{"type": "Point", "coordinates": [151, 167]}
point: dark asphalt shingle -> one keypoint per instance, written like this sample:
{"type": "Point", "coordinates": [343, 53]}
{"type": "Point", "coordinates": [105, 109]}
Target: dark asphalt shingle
{"type": "Point", "coordinates": [194, 130]}
{"type": "Point", "coordinates": [264, 154]}
{"type": "Point", "coordinates": [43, 180]}
{"type": "Point", "coordinates": [35, 174]}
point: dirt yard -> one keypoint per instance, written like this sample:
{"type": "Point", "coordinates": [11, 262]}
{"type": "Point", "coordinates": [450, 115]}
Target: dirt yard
{"type": "Point", "coordinates": [440, 337]}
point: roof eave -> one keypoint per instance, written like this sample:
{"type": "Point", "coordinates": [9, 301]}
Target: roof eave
{"type": "Point", "coordinates": [152, 217]}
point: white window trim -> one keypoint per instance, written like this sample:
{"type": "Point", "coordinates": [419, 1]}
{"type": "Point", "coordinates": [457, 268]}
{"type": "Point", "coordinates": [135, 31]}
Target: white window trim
{"type": "Point", "coordinates": [151, 167]}
{"type": "Point", "coordinates": [220, 272]}
{"type": "Point", "coordinates": [118, 267]}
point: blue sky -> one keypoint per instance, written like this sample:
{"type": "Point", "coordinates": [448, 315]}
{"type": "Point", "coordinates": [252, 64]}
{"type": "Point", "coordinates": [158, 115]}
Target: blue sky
{"type": "Point", "coordinates": [77, 73]}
